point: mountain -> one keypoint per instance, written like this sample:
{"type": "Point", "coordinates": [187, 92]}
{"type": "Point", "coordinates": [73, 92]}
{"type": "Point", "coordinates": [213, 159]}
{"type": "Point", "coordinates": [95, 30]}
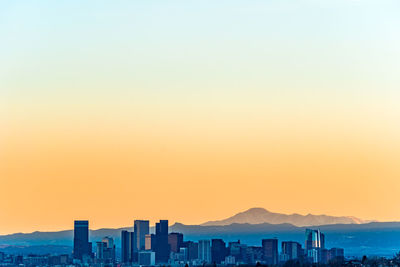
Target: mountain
{"type": "Point", "coordinates": [260, 215]}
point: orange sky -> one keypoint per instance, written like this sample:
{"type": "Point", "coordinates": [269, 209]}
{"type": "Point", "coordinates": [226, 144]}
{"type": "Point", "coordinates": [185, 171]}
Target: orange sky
{"type": "Point", "coordinates": [58, 167]}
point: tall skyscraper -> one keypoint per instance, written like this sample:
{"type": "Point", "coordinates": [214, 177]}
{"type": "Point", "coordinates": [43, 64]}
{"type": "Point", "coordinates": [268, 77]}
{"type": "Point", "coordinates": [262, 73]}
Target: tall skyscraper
{"type": "Point", "coordinates": [314, 239]}
{"type": "Point", "coordinates": [192, 250]}
{"type": "Point", "coordinates": [141, 229]}
{"type": "Point", "coordinates": [162, 246]}
{"type": "Point", "coordinates": [314, 245]}
{"type": "Point", "coordinates": [82, 246]}
{"type": "Point", "coordinates": [291, 250]}
{"type": "Point", "coordinates": [175, 241]}
{"type": "Point", "coordinates": [127, 246]}
{"type": "Point", "coordinates": [205, 251]}
{"type": "Point", "coordinates": [218, 250]}
{"type": "Point", "coordinates": [270, 250]}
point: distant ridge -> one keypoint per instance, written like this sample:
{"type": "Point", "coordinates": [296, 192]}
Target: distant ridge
{"type": "Point", "coordinates": [261, 215]}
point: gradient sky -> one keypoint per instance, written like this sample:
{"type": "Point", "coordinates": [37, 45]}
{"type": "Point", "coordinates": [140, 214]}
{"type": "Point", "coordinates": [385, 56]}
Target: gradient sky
{"type": "Point", "coordinates": [195, 110]}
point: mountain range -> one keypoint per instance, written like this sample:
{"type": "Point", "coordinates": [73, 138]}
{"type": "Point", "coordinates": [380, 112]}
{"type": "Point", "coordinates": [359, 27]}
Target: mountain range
{"type": "Point", "coordinates": [356, 237]}
{"type": "Point", "coordinates": [261, 215]}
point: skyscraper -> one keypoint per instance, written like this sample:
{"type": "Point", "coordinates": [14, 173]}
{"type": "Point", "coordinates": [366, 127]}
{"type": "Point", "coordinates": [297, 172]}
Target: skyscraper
{"type": "Point", "coordinates": [291, 250]}
{"type": "Point", "coordinates": [82, 246]}
{"type": "Point", "coordinates": [205, 251]}
{"type": "Point", "coordinates": [105, 251]}
{"type": "Point", "coordinates": [270, 250]}
{"type": "Point", "coordinates": [162, 246]}
{"type": "Point", "coordinates": [141, 229]}
{"type": "Point", "coordinates": [192, 249]}
{"type": "Point", "coordinates": [175, 241]}
{"type": "Point", "coordinates": [218, 250]}
{"type": "Point", "coordinates": [127, 244]}
{"type": "Point", "coordinates": [314, 239]}
{"type": "Point", "coordinates": [314, 244]}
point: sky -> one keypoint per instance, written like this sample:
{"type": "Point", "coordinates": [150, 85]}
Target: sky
{"type": "Point", "coordinates": [196, 110]}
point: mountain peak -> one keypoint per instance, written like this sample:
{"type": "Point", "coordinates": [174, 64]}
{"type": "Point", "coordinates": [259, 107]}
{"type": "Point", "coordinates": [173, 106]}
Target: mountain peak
{"type": "Point", "coordinates": [260, 215]}
{"type": "Point", "coordinates": [256, 210]}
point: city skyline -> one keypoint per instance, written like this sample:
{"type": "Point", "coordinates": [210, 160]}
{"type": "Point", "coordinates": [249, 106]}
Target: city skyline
{"type": "Point", "coordinates": [196, 110]}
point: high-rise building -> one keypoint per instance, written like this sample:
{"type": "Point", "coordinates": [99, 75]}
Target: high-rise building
{"type": "Point", "coordinates": [314, 244]}
{"type": "Point", "coordinates": [205, 251]}
{"type": "Point", "coordinates": [141, 229]}
{"type": "Point", "coordinates": [234, 249]}
{"type": "Point", "coordinates": [162, 248]}
{"type": "Point", "coordinates": [218, 251]}
{"type": "Point", "coordinates": [192, 250]}
{"type": "Point", "coordinates": [175, 241]}
{"type": "Point", "coordinates": [291, 250]}
{"type": "Point", "coordinates": [314, 239]}
{"type": "Point", "coordinates": [105, 251]}
{"type": "Point", "coordinates": [270, 249]}
{"type": "Point", "coordinates": [127, 246]}
{"type": "Point", "coordinates": [82, 246]}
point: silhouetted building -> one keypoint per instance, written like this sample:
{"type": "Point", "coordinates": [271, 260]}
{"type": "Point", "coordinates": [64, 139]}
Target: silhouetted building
{"type": "Point", "coordinates": [218, 250]}
{"type": "Point", "coordinates": [141, 229]}
{"type": "Point", "coordinates": [270, 249]}
{"type": "Point", "coordinates": [105, 251]}
{"type": "Point", "coordinates": [291, 250]}
{"type": "Point", "coordinates": [253, 255]}
{"type": "Point", "coordinates": [234, 250]}
{"type": "Point", "coordinates": [150, 242]}
{"type": "Point", "coordinates": [82, 246]}
{"type": "Point", "coordinates": [192, 250]}
{"type": "Point", "coordinates": [162, 248]}
{"type": "Point", "coordinates": [127, 246]}
{"type": "Point", "coordinates": [205, 251]}
{"type": "Point", "coordinates": [175, 241]}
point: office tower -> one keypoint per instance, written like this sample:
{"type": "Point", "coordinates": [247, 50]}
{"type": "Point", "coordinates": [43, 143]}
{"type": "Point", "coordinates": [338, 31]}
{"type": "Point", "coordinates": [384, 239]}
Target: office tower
{"type": "Point", "coordinates": [270, 249]}
{"type": "Point", "coordinates": [314, 244]}
{"type": "Point", "coordinates": [150, 242]}
{"type": "Point", "coordinates": [291, 250]}
{"type": "Point", "coordinates": [82, 246]}
{"type": "Point", "coordinates": [141, 229]}
{"type": "Point", "coordinates": [175, 241]}
{"type": "Point", "coordinates": [127, 246]}
{"type": "Point", "coordinates": [105, 251]}
{"type": "Point", "coordinates": [314, 239]}
{"type": "Point", "coordinates": [234, 250]}
{"type": "Point", "coordinates": [205, 251]}
{"type": "Point", "coordinates": [162, 248]}
{"type": "Point", "coordinates": [183, 254]}
{"type": "Point", "coordinates": [218, 251]}
{"type": "Point", "coordinates": [192, 250]}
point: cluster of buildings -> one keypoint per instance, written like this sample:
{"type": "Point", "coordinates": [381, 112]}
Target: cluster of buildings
{"type": "Point", "coordinates": [140, 247]}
